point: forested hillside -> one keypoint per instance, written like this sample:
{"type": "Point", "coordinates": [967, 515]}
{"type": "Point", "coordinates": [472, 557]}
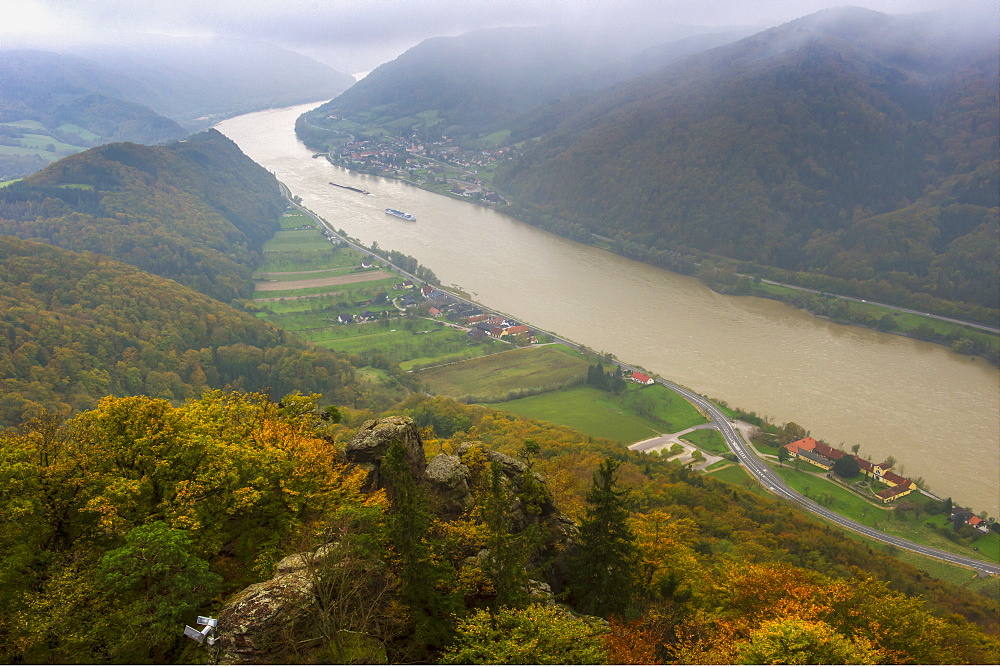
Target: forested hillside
{"type": "Point", "coordinates": [478, 83]}
{"type": "Point", "coordinates": [197, 211]}
{"type": "Point", "coordinates": [848, 144]}
{"type": "Point", "coordinates": [77, 327]}
{"type": "Point", "coordinates": [126, 522]}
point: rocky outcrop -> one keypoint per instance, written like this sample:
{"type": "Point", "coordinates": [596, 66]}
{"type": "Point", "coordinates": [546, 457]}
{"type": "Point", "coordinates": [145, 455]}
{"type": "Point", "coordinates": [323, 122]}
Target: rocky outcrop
{"type": "Point", "coordinates": [374, 439]}
{"type": "Point", "coordinates": [254, 622]}
{"type": "Point", "coordinates": [448, 478]}
{"type": "Point", "coordinates": [269, 622]}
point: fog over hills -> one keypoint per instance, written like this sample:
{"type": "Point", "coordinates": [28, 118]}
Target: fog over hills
{"type": "Point", "coordinates": [848, 143]}
{"type": "Point", "coordinates": [480, 81]}
{"type": "Point", "coordinates": [148, 90]}
{"type": "Point", "coordinates": [856, 146]}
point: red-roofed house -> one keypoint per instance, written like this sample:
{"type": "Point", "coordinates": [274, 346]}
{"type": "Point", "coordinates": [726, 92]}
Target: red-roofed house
{"type": "Point", "coordinates": [890, 494]}
{"type": "Point", "coordinates": [805, 444]}
{"type": "Point", "coordinates": [978, 524]}
{"type": "Point", "coordinates": [519, 329]}
{"type": "Point", "coordinates": [641, 378]}
{"type": "Point", "coordinates": [813, 451]}
{"type": "Point", "coordinates": [893, 479]}
{"type": "Point", "coordinates": [829, 452]}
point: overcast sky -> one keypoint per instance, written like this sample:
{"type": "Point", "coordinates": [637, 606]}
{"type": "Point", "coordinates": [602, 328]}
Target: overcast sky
{"type": "Point", "coordinates": [357, 35]}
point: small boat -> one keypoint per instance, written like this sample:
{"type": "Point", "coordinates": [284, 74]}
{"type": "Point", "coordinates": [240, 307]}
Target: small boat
{"type": "Point", "coordinates": [350, 187]}
{"type": "Point", "coordinates": [400, 214]}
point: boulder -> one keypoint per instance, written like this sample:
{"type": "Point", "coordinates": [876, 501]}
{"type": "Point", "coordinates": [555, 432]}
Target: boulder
{"type": "Point", "coordinates": [449, 481]}
{"type": "Point", "coordinates": [253, 623]}
{"type": "Point", "coordinates": [369, 445]}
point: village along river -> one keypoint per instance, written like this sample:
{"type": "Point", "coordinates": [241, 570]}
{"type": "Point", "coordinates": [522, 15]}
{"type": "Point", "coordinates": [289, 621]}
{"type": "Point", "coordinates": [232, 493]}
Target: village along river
{"type": "Point", "coordinates": [936, 412]}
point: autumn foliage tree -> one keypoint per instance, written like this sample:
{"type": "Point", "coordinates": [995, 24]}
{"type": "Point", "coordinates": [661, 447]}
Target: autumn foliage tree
{"type": "Point", "coordinates": [127, 517]}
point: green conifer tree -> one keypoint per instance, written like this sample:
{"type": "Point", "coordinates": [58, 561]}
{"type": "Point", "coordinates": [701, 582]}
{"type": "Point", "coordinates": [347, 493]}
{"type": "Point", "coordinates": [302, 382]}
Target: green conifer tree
{"type": "Point", "coordinates": [604, 569]}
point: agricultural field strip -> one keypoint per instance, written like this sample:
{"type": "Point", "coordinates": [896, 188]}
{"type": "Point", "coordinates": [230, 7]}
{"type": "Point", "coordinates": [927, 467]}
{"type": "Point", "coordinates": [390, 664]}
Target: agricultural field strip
{"type": "Point", "coordinates": [272, 274]}
{"type": "Point", "coordinates": [280, 285]}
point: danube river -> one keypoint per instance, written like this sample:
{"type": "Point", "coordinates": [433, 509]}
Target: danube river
{"type": "Point", "coordinates": [936, 412]}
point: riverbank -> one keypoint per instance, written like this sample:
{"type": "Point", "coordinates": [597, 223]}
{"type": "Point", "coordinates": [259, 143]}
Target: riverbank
{"type": "Point", "coordinates": [726, 276]}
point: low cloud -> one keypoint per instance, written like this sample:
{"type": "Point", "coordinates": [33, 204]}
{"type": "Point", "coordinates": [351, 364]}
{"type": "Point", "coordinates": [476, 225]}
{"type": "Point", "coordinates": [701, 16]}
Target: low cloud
{"type": "Point", "coordinates": [354, 35]}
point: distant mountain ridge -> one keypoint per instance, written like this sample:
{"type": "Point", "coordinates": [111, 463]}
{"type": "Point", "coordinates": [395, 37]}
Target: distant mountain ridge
{"type": "Point", "coordinates": [848, 143]}
{"type": "Point", "coordinates": [151, 91]}
{"type": "Point", "coordinates": [198, 81]}
{"type": "Point", "coordinates": [479, 82]}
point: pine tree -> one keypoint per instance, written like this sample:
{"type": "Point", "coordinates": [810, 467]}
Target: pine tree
{"type": "Point", "coordinates": [607, 560]}
{"type": "Point", "coordinates": [425, 581]}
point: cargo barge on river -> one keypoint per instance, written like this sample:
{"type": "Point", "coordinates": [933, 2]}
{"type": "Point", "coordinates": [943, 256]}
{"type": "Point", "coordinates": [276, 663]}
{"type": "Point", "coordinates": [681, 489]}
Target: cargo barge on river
{"type": "Point", "coordinates": [350, 187]}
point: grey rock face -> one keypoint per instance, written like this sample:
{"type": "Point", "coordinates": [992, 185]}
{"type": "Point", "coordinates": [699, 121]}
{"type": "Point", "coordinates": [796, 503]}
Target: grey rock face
{"type": "Point", "coordinates": [374, 439]}
{"type": "Point", "coordinates": [449, 481]}
{"type": "Point", "coordinates": [253, 622]}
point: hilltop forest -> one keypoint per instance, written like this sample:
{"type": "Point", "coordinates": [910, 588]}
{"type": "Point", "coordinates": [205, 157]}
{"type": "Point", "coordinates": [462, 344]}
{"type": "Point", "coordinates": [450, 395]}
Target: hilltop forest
{"type": "Point", "coordinates": [125, 522]}
{"type": "Point", "coordinates": [78, 325]}
{"type": "Point", "coordinates": [196, 211]}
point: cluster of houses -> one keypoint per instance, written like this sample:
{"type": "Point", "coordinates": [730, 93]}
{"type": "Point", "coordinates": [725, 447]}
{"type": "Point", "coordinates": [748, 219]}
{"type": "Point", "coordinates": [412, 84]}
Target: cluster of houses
{"type": "Point", "coordinates": [497, 326]}
{"type": "Point", "coordinates": [441, 305]}
{"type": "Point", "coordinates": [397, 153]}
{"type": "Point", "coordinates": [363, 316]}
{"type": "Point", "coordinates": [824, 456]}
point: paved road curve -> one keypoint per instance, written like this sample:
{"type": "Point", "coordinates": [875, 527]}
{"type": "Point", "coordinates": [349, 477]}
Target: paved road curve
{"type": "Point", "coordinates": [777, 486]}
{"type": "Point", "coordinates": [744, 453]}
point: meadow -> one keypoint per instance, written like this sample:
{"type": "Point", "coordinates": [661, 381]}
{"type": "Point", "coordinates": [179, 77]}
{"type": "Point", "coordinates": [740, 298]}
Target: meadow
{"type": "Point", "coordinates": [508, 374]}
{"type": "Point", "coordinates": [306, 282]}
{"type": "Point", "coordinates": [639, 413]}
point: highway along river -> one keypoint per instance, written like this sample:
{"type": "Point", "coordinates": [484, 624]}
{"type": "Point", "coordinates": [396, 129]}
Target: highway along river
{"type": "Point", "coordinates": [937, 412]}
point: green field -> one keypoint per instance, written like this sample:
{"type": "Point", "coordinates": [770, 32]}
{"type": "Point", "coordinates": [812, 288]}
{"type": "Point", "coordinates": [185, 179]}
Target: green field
{"type": "Point", "coordinates": [35, 141]}
{"type": "Point", "coordinates": [300, 252]}
{"type": "Point", "coordinates": [709, 439]}
{"type": "Point", "coordinates": [501, 376]}
{"type": "Point", "coordinates": [297, 239]}
{"type": "Point", "coordinates": [735, 474]}
{"type": "Point", "coordinates": [638, 414]}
